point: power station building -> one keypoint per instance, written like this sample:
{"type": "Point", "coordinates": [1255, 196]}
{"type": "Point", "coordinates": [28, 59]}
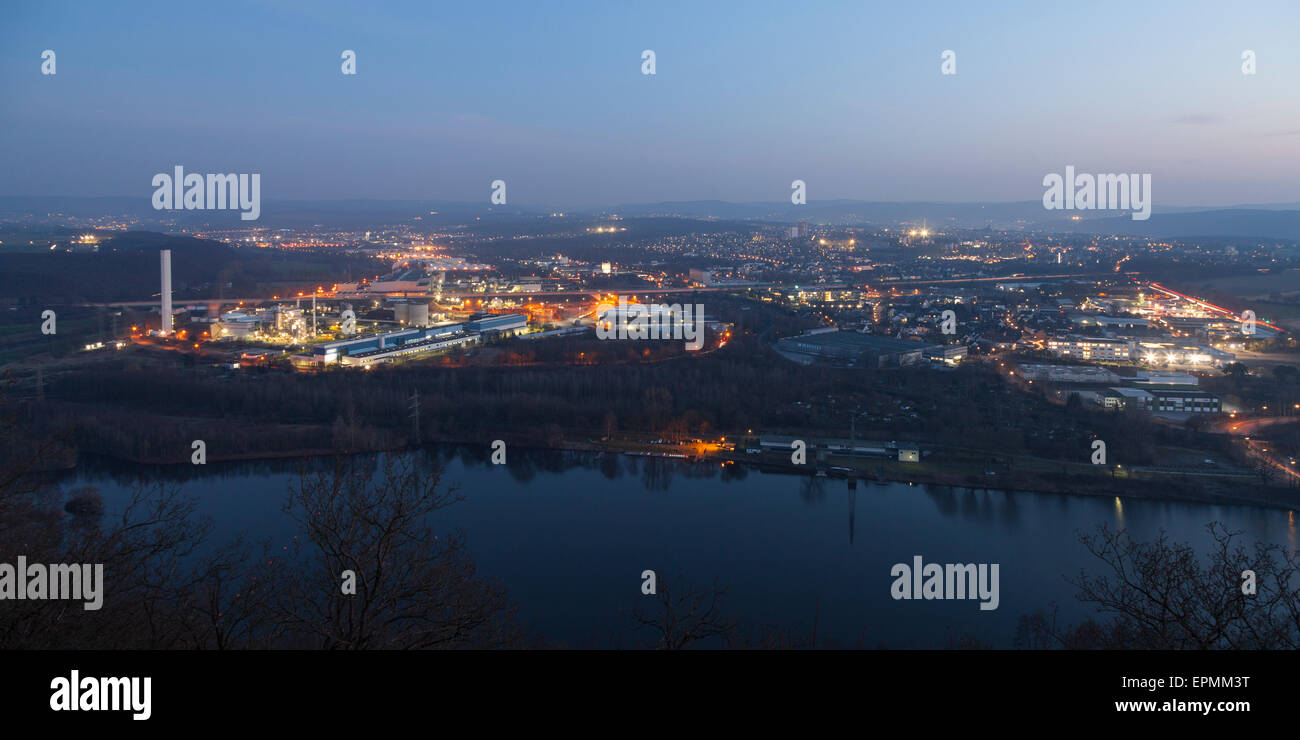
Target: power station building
{"type": "Point", "coordinates": [386, 347]}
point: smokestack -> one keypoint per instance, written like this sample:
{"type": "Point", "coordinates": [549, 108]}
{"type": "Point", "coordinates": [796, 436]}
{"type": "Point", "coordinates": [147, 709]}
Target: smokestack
{"type": "Point", "coordinates": [165, 257]}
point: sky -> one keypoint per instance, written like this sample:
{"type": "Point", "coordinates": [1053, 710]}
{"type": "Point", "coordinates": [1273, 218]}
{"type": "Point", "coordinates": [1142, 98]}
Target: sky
{"type": "Point", "coordinates": [747, 97]}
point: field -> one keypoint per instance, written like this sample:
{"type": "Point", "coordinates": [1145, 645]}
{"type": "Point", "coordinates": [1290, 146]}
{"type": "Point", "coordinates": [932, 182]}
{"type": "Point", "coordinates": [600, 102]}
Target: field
{"type": "Point", "coordinates": [1256, 286]}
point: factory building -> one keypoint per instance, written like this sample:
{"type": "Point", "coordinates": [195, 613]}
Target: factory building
{"type": "Point", "coordinates": [236, 325]}
{"type": "Point", "coordinates": [949, 354]}
{"type": "Point", "coordinates": [406, 349]}
{"type": "Point", "coordinates": [563, 332]}
{"type": "Point", "coordinates": [248, 324]}
{"type": "Point", "coordinates": [1091, 348]}
{"type": "Point", "coordinates": [1068, 373]}
{"type": "Point", "coordinates": [1170, 353]}
{"type": "Point", "coordinates": [1188, 402]}
{"type": "Point", "coordinates": [290, 320]}
{"type": "Point", "coordinates": [1163, 378]}
{"type": "Point", "coordinates": [1162, 400]}
{"type": "Point", "coordinates": [387, 345]}
{"type": "Point", "coordinates": [497, 324]}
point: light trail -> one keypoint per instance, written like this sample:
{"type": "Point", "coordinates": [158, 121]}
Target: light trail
{"type": "Point", "coordinates": [1210, 306]}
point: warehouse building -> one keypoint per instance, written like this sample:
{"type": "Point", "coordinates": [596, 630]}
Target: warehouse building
{"type": "Point", "coordinates": [507, 324]}
{"type": "Point", "coordinates": [387, 345]}
{"type": "Point", "coordinates": [1162, 400]}
{"type": "Point", "coordinates": [407, 349]}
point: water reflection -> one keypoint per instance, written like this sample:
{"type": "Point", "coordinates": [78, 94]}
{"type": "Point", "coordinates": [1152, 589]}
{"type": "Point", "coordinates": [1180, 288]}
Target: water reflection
{"type": "Point", "coordinates": [1290, 531]}
{"type": "Point", "coordinates": [812, 490]}
{"type": "Point", "coordinates": [853, 507]}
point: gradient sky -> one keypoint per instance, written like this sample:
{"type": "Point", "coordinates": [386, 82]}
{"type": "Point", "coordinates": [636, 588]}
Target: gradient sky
{"type": "Point", "coordinates": [549, 96]}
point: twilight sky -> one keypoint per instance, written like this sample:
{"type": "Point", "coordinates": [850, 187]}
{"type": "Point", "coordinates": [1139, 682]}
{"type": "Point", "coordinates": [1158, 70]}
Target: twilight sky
{"type": "Point", "coordinates": [748, 96]}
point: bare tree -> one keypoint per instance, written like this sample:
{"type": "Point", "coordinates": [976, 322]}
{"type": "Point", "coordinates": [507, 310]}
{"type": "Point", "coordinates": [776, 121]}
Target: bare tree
{"type": "Point", "coordinates": [231, 605]}
{"type": "Point", "coordinates": [142, 549]}
{"type": "Point", "coordinates": [414, 587]}
{"type": "Point", "coordinates": [1161, 595]}
{"type": "Point", "coordinates": [685, 614]}
{"type": "Point", "coordinates": [145, 550]}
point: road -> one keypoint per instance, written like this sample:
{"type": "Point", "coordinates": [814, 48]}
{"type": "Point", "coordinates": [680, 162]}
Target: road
{"type": "Point", "coordinates": [1258, 449]}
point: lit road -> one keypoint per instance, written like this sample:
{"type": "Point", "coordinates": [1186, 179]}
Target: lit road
{"type": "Point", "coordinates": [1221, 311]}
{"type": "Point", "coordinates": [1259, 449]}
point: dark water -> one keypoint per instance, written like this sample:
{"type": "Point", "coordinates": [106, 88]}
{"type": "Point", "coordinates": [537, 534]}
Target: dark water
{"type": "Point", "coordinates": [569, 535]}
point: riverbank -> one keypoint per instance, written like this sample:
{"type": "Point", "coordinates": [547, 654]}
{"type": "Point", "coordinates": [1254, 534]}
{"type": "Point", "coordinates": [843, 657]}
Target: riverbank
{"type": "Point", "coordinates": [947, 468]}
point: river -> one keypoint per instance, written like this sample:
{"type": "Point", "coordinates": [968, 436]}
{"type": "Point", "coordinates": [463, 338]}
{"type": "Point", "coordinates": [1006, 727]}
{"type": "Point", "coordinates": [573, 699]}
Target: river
{"type": "Point", "coordinates": [569, 535]}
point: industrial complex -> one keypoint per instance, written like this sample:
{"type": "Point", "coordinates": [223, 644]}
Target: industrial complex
{"type": "Point", "coordinates": [300, 321]}
{"type": "Point", "coordinates": [380, 348]}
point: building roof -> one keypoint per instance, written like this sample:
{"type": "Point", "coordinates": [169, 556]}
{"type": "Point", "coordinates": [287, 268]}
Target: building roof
{"type": "Point", "coordinates": [1130, 392]}
{"type": "Point", "coordinates": [865, 342]}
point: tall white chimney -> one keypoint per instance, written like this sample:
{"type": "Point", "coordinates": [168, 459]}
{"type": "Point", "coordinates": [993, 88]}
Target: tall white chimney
{"type": "Point", "coordinates": [166, 314]}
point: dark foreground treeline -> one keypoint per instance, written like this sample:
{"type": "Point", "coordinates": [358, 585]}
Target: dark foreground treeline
{"type": "Point", "coordinates": [126, 410]}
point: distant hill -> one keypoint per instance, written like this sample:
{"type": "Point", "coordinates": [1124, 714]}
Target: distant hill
{"type": "Point", "coordinates": [338, 214]}
{"type": "Point", "coordinates": [1269, 221]}
{"type": "Point", "coordinates": [853, 212]}
{"type": "Point", "coordinates": [126, 268]}
{"type": "Point", "coordinates": [1260, 223]}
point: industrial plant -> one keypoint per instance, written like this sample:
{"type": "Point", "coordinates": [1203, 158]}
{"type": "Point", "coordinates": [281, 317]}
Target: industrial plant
{"type": "Point", "coordinates": [404, 318]}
